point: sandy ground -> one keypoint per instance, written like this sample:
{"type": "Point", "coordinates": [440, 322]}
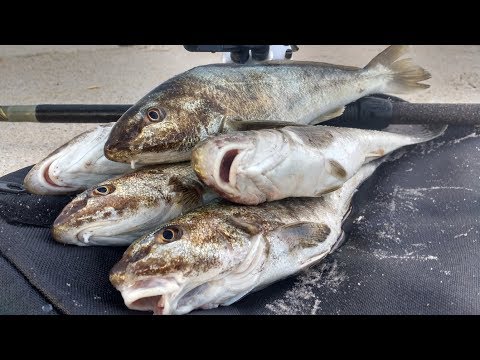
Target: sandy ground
{"type": "Point", "coordinates": [64, 74]}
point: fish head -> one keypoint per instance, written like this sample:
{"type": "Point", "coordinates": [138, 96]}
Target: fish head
{"type": "Point", "coordinates": [74, 166]}
{"type": "Point", "coordinates": [163, 126]}
{"type": "Point", "coordinates": [120, 210]}
{"type": "Point", "coordinates": [200, 260]}
{"type": "Point", "coordinates": [238, 165]}
{"type": "Point", "coordinates": [45, 177]}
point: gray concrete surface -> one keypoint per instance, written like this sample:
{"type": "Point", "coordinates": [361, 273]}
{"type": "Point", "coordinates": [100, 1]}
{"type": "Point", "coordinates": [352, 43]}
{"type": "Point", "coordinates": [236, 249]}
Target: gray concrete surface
{"type": "Point", "coordinates": [105, 74]}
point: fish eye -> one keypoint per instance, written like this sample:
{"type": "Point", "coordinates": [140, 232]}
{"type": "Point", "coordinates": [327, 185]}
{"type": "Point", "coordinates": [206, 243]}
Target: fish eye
{"type": "Point", "coordinates": [169, 234]}
{"type": "Point", "coordinates": [156, 114]}
{"type": "Point", "coordinates": [104, 190]}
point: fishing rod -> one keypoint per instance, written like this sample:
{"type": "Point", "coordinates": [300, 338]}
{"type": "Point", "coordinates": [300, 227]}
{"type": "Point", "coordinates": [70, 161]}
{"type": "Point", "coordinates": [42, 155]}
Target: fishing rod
{"type": "Point", "coordinates": [64, 113]}
{"type": "Point", "coordinates": [74, 113]}
{"type": "Point", "coordinates": [371, 112]}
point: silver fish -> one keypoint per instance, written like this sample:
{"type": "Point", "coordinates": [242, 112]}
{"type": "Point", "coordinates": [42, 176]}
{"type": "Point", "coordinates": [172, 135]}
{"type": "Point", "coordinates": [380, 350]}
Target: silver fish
{"type": "Point", "coordinates": [122, 209]}
{"type": "Point", "coordinates": [251, 167]}
{"type": "Point", "coordinates": [75, 166]}
{"type": "Point", "coordinates": [217, 254]}
{"type": "Point", "coordinates": [166, 124]}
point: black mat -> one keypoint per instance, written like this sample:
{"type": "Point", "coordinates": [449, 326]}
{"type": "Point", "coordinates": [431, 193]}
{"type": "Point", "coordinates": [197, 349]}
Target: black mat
{"type": "Point", "coordinates": [17, 296]}
{"type": "Point", "coordinates": [414, 248]}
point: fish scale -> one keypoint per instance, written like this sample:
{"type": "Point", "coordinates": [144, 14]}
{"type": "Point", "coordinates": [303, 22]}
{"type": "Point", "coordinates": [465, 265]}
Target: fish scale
{"type": "Point", "coordinates": [221, 252]}
{"type": "Point", "coordinates": [243, 97]}
{"type": "Point", "coordinates": [295, 161]}
{"type": "Point", "coordinates": [134, 204]}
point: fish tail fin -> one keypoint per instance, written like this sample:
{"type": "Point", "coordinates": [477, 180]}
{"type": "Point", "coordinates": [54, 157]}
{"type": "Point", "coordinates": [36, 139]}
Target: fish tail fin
{"type": "Point", "coordinates": [404, 74]}
{"type": "Point", "coordinates": [418, 133]}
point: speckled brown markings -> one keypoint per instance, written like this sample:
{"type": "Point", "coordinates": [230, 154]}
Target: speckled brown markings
{"type": "Point", "coordinates": [198, 100]}
{"type": "Point", "coordinates": [148, 188]}
{"type": "Point", "coordinates": [210, 229]}
{"type": "Point", "coordinates": [322, 232]}
{"type": "Point", "coordinates": [319, 139]}
{"type": "Point", "coordinates": [229, 250]}
{"type": "Point", "coordinates": [304, 234]}
{"type": "Point", "coordinates": [71, 209]}
{"type": "Point", "coordinates": [172, 264]}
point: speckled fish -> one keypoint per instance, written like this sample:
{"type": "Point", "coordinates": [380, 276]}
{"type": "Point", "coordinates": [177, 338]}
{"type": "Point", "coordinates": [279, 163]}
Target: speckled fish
{"type": "Point", "coordinates": [165, 125]}
{"type": "Point", "coordinates": [75, 166]}
{"type": "Point", "coordinates": [251, 167]}
{"type": "Point", "coordinates": [122, 209]}
{"type": "Point", "coordinates": [217, 254]}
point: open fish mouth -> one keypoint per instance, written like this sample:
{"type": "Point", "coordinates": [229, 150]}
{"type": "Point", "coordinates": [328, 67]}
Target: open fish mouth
{"type": "Point", "coordinates": [47, 178]}
{"type": "Point", "coordinates": [151, 303]}
{"type": "Point", "coordinates": [49, 181]}
{"type": "Point", "coordinates": [226, 167]}
{"type": "Point", "coordinates": [237, 177]}
{"type": "Point", "coordinates": [39, 180]}
{"type": "Point", "coordinates": [158, 295]}
{"type": "Point", "coordinates": [166, 296]}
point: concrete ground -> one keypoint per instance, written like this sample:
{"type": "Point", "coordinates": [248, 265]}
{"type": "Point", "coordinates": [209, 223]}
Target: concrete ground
{"type": "Point", "coordinates": [109, 74]}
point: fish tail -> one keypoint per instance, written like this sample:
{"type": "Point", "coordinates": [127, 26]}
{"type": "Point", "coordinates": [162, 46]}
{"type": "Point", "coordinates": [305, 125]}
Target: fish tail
{"type": "Point", "coordinates": [404, 75]}
{"type": "Point", "coordinates": [418, 133]}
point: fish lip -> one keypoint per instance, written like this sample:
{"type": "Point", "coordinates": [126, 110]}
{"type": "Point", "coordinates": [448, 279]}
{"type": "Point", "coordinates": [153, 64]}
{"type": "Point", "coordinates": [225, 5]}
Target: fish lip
{"type": "Point", "coordinates": [86, 232]}
{"type": "Point", "coordinates": [82, 237]}
{"type": "Point", "coordinates": [63, 237]}
{"type": "Point", "coordinates": [74, 235]}
{"type": "Point", "coordinates": [117, 237]}
{"type": "Point", "coordinates": [48, 179]}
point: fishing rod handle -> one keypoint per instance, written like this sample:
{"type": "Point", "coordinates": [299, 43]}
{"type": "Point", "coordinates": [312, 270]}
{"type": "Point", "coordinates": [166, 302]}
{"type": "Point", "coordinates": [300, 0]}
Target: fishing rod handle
{"type": "Point", "coordinates": [63, 113]}
{"type": "Point", "coordinates": [451, 114]}
{"type": "Point", "coordinates": [376, 113]}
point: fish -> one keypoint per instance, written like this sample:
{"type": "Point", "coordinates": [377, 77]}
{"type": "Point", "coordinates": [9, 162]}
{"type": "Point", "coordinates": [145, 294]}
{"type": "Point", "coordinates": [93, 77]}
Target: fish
{"type": "Point", "coordinates": [251, 167]}
{"type": "Point", "coordinates": [75, 166]}
{"type": "Point", "coordinates": [217, 254]}
{"type": "Point", "coordinates": [119, 210]}
{"type": "Point", "coordinates": [170, 120]}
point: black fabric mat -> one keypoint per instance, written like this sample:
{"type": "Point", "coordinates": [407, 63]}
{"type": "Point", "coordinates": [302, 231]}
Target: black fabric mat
{"type": "Point", "coordinates": [17, 296]}
{"type": "Point", "coordinates": [29, 209]}
{"type": "Point", "coordinates": [73, 279]}
{"type": "Point", "coordinates": [413, 249]}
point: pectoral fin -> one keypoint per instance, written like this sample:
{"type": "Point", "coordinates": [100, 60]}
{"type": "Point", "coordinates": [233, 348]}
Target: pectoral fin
{"type": "Point", "coordinates": [330, 115]}
{"type": "Point", "coordinates": [374, 155]}
{"type": "Point", "coordinates": [336, 169]}
{"type": "Point", "coordinates": [189, 193]}
{"type": "Point", "coordinates": [250, 228]}
{"type": "Point", "coordinates": [303, 234]}
{"type": "Point", "coordinates": [237, 124]}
